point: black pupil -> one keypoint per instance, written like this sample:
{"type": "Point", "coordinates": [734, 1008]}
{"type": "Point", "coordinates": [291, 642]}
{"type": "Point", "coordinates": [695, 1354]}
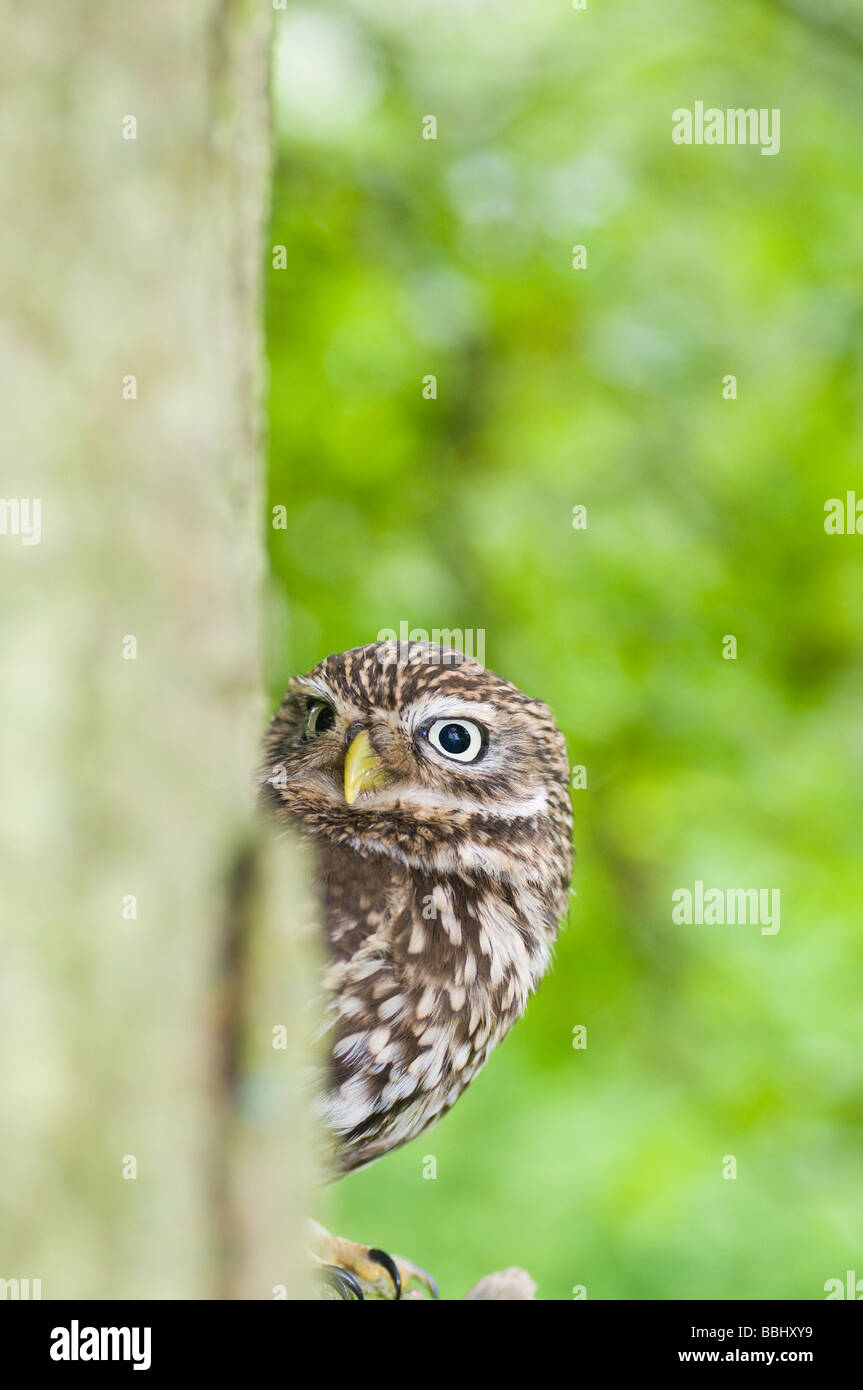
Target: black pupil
{"type": "Point", "coordinates": [323, 720]}
{"type": "Point", "coordinates": [454, 738]}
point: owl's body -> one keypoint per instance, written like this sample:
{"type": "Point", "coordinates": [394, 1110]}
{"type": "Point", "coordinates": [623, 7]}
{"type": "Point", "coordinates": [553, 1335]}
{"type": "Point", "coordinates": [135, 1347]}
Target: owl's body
{"type": "Point", "coordinates": [435, 796]}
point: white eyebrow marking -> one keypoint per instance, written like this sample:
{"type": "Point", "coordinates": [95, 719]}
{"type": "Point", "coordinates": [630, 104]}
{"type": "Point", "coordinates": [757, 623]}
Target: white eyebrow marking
{"type": "Point", "coordinates": [317, 689]}
{"type": "Point", "coordinates": [303, 685]}
{"type": "Point", "coordinates": [439, 706]}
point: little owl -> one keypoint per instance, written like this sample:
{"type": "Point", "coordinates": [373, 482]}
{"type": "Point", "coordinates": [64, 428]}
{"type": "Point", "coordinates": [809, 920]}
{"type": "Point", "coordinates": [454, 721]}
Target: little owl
{"type": "Point", "coordinates": [435, 798]}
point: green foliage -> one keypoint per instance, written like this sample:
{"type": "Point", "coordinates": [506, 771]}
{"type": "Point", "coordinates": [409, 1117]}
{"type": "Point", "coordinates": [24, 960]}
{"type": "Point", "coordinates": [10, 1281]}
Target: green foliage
{"type": "Point", "coordinates": [603, 387]}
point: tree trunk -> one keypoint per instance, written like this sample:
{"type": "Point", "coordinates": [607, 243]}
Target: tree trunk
{"type": "Point", "coordinates": [151, 1145]}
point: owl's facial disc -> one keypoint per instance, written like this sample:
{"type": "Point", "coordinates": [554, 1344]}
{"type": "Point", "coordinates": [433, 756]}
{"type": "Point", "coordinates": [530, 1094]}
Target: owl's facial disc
{"type": "Point", "coordinates": [440, 752]}
{"type": "Point", "coordinates": [414, 758]}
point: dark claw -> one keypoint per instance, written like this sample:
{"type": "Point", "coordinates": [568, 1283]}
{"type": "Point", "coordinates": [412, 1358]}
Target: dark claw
{"type": "Point", "coordinates": [387, 1262]}
{"type": "Point", "coordinates": [346, 1285]}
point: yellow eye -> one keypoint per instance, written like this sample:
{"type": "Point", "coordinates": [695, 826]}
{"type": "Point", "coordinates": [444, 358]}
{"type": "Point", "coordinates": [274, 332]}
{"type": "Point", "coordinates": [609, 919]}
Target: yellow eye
{"type": "Point", "coordinates": [320, 717]}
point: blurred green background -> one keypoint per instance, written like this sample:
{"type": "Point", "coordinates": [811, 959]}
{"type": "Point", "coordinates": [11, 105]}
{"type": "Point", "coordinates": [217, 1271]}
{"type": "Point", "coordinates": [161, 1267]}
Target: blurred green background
{"type": "Point", "coordinates": [603, 387]}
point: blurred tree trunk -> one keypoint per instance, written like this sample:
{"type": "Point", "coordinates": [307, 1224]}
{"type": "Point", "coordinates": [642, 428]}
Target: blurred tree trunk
{"type": "Point", "coordinates": [150, 1144]}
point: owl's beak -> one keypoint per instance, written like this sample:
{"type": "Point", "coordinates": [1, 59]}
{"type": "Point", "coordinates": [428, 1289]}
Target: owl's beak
{"type": "Point", "coordinates": [363, 768]}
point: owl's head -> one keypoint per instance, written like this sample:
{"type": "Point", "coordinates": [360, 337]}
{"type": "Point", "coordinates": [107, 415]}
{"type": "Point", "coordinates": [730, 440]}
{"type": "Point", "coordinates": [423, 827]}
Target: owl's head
{"type": "Point", "coordinates": [417, 751]}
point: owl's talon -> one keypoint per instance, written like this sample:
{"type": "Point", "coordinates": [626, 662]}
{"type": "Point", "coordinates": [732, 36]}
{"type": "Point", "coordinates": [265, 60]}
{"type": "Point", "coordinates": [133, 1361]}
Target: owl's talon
{"type": "Point", "coordinates": [423, 1277]}
{"type": "Point", "coordinates": [369, 1272]}
{"type": "Point", "coordinates": [346, 1285]}
{"type": "Point", "coordinates": [387, 1262]}
{"type": "Point", "coordinates": [403, 1274]}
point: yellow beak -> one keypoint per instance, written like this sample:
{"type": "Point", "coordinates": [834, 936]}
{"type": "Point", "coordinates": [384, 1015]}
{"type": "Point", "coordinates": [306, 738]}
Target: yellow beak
{"type": "Point", "coordinates": [363, 768]}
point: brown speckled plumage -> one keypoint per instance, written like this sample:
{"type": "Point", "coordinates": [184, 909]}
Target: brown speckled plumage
{"type": "Point", "coordinates": [442, 885]}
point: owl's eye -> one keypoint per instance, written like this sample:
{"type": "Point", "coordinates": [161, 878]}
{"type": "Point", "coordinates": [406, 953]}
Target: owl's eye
{"type": "Point", "coordinates": [320, 717]}
{"type": "Point", "coordinates": [459, 739]}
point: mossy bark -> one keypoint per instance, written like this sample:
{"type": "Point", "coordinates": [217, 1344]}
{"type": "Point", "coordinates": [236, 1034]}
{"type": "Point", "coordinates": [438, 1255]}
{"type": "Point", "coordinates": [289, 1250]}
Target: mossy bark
{"type": "Point", "coordinates": [152, 1145]}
